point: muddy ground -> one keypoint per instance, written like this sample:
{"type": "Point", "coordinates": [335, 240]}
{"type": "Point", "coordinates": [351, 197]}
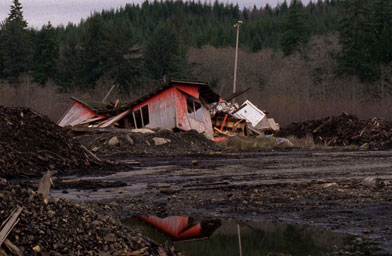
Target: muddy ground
{"type": "Point", "coordinates": [323, 188]}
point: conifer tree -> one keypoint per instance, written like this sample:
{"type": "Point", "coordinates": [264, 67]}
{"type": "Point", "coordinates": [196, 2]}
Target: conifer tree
{"type": "Point", "coordinates": [121, 59]}
{"type": "Point", "coordinates": [46, 54]}
{"type": "Point", "coordinates": [162, 55]}
{"type": "Point", "coordinates": [15, 44]}
{"type": "Point", "coordinates": [295, 35]}
{"type": "Point", "coordinates": [382, 23]}
{"type": "Point", "coordinates": [91, 37]}
{"type": "Point", "coordinates": [16, 14]}
{"type": "Point", "coordinates": [356, 38]}
{"type": "Point", "coordinates": [71, 66]}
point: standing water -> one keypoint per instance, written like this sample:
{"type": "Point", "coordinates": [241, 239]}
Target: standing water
{"type": "Point", "coordinates": [221, 237]}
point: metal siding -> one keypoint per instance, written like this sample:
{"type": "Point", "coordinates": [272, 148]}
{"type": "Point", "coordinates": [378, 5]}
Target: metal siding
{"type": "Point", "coordinates": [187, 123]}
{"type": "Point", "coordinates": [76, 115]}
{"type": "Point", "coordinates": [168, 110]}
{"type": "Point", "coordinates": [162, 112]}
{"type": "Point", "coordinates": [191, 90]}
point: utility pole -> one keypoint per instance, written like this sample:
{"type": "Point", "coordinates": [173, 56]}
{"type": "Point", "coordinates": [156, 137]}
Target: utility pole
{"type": "Point", "coordinates": [236, 25]}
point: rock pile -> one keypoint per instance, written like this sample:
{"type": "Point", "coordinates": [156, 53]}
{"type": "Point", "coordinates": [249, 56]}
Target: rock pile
{"type": "Point", "coordinates": [161, 142]}
{"type": "Point", "coordinates": [31, 144]}
{"type": "Point", "coordinates": [343, 130]}
{"type": "Point", "coordinates": [60, 227]}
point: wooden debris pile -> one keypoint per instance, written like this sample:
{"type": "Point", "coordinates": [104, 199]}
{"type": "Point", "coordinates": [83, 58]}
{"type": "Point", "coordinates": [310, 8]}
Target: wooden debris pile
{"type": "Point", "coordinates": [31, 144]}
{"type": "Point", "coordinates": [60, 227]}
{"type": "Point", "coordinates": [343, 130]}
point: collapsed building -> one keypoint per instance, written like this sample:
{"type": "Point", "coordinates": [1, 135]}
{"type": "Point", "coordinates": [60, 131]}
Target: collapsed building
{"type": "Point", "coordinates": [177, 104]}
{"type": "Point", "coordinates": [182, 105]}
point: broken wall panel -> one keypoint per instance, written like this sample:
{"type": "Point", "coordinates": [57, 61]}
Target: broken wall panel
{"type": "Point", "coordinates": [77, 114]}
{"type": "Point", "coordinates": [198, 119]}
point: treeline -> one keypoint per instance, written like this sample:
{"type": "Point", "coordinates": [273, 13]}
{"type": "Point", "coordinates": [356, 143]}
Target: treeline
{"type": "Point", "coordinates": [148, 41]}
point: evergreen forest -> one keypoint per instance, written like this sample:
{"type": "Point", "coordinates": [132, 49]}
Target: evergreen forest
{"type": "Point", "coordinates": [333, 40]}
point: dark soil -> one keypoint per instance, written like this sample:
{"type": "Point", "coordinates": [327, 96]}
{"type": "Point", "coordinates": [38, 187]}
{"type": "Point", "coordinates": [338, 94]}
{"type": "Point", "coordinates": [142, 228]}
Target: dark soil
{"type": "Point", "coordinates": [31, 144]}
{"type": "Point", "coordinates": [178, 143]}
{"type": "Point", "coordinates": [61, 227]}
{"type": "Point", "coordinates": [343, 130]}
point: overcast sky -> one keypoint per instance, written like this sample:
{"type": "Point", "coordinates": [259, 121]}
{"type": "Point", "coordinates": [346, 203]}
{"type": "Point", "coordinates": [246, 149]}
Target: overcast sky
{"type": "Point", "coordinates": [39, 12]}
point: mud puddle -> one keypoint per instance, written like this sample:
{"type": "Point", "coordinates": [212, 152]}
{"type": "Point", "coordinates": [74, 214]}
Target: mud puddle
{"type": "Point", "coordinates": [221, 237]}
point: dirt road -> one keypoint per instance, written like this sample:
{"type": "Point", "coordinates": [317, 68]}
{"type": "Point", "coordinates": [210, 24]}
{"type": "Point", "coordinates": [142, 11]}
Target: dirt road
{"type": "Point", "coordinates": [321, 188]}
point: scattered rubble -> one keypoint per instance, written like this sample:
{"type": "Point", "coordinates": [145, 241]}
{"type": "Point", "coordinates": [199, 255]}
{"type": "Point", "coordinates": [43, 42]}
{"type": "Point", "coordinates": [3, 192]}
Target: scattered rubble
{"type": "Point", "coordinates": [343, 130]}
{"type": "Point", "coordinates": [61, 227]}
{"type": "Point", "coordinates": [161, 142]}
{"type": "Point", "coordinates": [31, 144]}
{"type": "Point", "coordinates": [231, 119]}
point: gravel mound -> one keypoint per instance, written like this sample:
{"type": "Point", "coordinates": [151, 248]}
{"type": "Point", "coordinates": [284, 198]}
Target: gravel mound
{"type": "Point", "coordinates": [162, 142]}
{"type": "Point", "coordinates": [343, 130]}
{"type": "Point", "coordinates": [62, 227]}
{"type": "Point", "coordinates": [31, 144]}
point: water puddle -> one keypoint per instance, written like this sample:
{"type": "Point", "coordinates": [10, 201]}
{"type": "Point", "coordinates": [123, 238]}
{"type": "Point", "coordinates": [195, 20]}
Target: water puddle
{"type": "Point", "coordinates": [206, 237]}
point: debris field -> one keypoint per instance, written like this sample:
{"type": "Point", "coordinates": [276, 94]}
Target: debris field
{"type": "Point", "coordinates": [146, 141]}
{"type": "Point", "coordinates": [186, 174]}
{"type": "Point", "coordinates": [343, 130]}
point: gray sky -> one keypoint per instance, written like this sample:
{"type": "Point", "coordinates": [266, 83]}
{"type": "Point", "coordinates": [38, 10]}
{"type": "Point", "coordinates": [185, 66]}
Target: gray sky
{"type": "Point", "coordinates": [39, 12]}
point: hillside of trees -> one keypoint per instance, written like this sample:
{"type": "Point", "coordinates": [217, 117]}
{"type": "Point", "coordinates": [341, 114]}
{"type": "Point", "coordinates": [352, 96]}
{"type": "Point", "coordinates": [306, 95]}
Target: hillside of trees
{"type": "Point", "coordinates": [315, 59]}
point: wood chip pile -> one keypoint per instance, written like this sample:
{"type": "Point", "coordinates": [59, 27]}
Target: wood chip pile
{"type": "Point", "coordinates": [60, 227]}
{"type": "Point", "coordinates": [31, 144]}
{"type": "Point", "coordinates": [343, 130]}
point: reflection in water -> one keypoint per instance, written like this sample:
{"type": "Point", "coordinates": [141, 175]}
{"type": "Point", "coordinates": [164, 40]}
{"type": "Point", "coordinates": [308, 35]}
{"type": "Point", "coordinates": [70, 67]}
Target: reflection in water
{"type": "Point", "coordinates": [182, 227]}
{"type": "Point", "coordinates": [256, 238]}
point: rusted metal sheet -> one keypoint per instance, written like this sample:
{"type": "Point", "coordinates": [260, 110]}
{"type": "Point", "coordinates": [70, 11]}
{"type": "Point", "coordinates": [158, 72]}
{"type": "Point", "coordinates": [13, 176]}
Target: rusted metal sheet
{"type": "Point", "coordinates": [77, 114]}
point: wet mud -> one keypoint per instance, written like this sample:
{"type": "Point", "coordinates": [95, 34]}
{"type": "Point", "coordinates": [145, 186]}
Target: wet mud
{"type": "Point", "coordinates": [319, 188]}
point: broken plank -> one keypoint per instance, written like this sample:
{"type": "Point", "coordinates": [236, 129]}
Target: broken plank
{"type": "Point", "coordinates": [9, 224]}
{"type": "Point", "coordinates": [91, 153]}
{"type": "Point", "coordinates": [100, 130]}
{"type": "Point", "coordinates": [44, 185]}
{"type": "Point", "coordinates": [13, 248]}
{"type": "Point", "coordinates": [3, 253]}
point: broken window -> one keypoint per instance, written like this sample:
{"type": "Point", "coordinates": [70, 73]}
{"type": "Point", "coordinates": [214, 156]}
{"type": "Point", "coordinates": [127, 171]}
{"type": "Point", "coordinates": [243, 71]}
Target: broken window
{"type": "Point", "coordinates": [140, 117]}
{"type": "Point", "coordinates": [194, 109]}
{"type": "Point", "coordinates": [189, 103]}
{"type": "Point", "coordinates": [146, 116]}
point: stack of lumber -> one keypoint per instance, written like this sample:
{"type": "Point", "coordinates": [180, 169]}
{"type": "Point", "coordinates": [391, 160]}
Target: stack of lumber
{"type": "Point", "coordinates": [343, 130]}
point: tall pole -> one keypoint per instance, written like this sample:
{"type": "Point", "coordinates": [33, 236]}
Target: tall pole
{"type": "Point", "coordinates": [237, 25]}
